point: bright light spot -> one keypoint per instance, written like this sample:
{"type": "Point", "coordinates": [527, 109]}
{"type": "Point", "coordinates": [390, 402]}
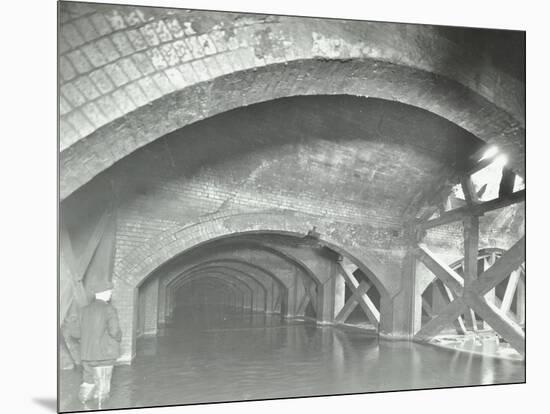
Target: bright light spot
{"type": "Point", "coordinates": [501, 160]}
{"type": "Point", "coordinates": [490, 176]}
{"type": "Point", "coordinates": [491, 152]}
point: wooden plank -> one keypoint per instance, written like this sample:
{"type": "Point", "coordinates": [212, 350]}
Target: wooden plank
{"type": "Point", "coordinates": [442, 321]}
{"type": "Point", "coordinates": [352, 302]}
{"type": "Point", "coordinates": [440, 269]}
{"type": "Point", "coordinates": [473, 320]}
{"type": "Point", "coordinates": [474, 210]}
{"type": "Point", "coordinates": [370, 309]}
{"type": "Point", "coordinates": [364, 301]}
{"type": "Point", "coordinates": [446, 293]}
{"type": "Point", "coordinates": [503, 267]}
{"type": "Point", "coordinates": [511, 287]}
{"type": "Point", "coordinates": [499, 321]}
{"type": "Point", "coordinates": [344, 313]}
{"type": "Point", "coordinates": [490, 296]}
{"type": "Point", "coordinates": [350, 279]}
{"type": "Point", "coordinates": [471, 249]}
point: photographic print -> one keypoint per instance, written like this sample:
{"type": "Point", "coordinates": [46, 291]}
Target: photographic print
{"type": "Point", "coordinates": [258, 206]}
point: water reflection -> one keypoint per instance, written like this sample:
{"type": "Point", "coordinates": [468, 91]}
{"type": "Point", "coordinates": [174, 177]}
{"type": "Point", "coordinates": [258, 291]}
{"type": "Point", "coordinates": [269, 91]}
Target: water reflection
{"type": "Point", "coordinates": [214, 354]}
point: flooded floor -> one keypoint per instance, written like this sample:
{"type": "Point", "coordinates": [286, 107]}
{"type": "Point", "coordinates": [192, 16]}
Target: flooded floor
{"type": "Point", "coordinates": [215, 354]}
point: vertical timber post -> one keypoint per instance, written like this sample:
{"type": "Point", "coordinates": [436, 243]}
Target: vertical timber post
{"type": "Point", "coordinates": [471, 248]}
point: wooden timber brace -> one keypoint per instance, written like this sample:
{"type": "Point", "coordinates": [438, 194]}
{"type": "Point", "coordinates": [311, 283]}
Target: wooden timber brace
{"type": "Point", "coordinates": [359, 296]}
{"type": "Point", "coordinates": [469, 293]}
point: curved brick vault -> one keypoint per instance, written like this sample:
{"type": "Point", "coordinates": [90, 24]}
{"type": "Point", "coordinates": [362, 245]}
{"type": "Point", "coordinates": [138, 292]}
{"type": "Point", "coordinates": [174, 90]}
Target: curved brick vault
{"type": "Point", "coordinates": [131, 75]}
{"type": "Point", "coordinates": [142, 262]}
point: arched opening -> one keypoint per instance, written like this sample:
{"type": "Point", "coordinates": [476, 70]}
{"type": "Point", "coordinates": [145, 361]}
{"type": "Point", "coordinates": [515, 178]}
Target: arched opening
{"type": "Point", "coordinates": [290, 275]}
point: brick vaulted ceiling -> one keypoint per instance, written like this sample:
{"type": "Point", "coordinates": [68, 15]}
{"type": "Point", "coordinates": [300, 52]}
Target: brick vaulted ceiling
{"type": "Point", "coordinates": [362, 160]}
{"type": "Point", "coordinates": [129, 76]}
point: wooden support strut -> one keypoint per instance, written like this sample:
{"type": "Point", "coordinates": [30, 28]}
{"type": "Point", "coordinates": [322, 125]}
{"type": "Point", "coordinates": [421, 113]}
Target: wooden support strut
{"type": "Point", "coordinates": [510, 292]}
{"type": "Point", "coordinates": [447, 294]}
{"type": "Point", "coordinates": [352, 302]}
{"type": "Point", "coordinates": [450, 174]}
{"type": "Point", "coordinates": [364, 301]}
{"type": "Point", "coordinates": [441, 270]}
{"type": "Point", "coordinates": [473, 210]}
{"type": "Point", "coordinates": [472, 295]}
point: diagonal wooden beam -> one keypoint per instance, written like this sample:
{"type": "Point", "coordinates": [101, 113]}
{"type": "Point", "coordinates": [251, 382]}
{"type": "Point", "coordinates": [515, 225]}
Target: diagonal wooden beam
{"type": "Point", "coordinates": [352, 302]}
{"type": "Point", "coordinates": [369, 308]}
{"type": "Point", "coordinates": [520, 301]}
{"type": "Point", "coordinates": [448, 296]}
{"type": "Point", "coordinates": [441, 321]}
{"type": "Point", "coordinates": [364, 301]}
{"type": "Point", "coordinates": [498, 320]}
{"type": "Point", "coordinates": [511, 287]}
{"type": "Point", "coordinates": [440, 269]}
{"type": "Point", "coordinates": [474, 210]}
{"type": "Point", "coordinates": [503, 267]}
{"type": "Point", "coordinates": [473, 319]}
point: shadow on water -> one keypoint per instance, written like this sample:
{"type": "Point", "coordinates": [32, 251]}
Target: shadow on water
{"type": "Point", "coordinates": [214, 354]}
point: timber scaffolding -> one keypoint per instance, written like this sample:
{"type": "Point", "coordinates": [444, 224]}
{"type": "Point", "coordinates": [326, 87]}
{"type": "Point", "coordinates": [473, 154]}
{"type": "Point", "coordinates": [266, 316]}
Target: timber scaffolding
{"type": "Point", "coordinates": [468, 293]}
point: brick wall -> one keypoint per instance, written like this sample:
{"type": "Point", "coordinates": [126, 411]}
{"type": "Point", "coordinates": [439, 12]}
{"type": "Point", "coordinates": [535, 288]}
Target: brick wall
{"type": "Point", "coordinates": [116, 60]}
{"type": "Point", "coordinates": [356, 166]}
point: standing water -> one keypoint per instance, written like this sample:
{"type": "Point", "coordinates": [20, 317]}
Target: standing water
{"type": "Point", "coordinates": [214, 353]}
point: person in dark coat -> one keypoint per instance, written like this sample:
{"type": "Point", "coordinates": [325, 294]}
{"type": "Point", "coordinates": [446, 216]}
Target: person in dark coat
{"type": "Point", "coordinates": [100, 335]}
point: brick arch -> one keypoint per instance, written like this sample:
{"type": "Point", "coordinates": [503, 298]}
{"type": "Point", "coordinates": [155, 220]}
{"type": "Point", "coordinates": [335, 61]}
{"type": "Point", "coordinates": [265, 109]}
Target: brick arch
{"type": "Point", "coordinates": [233, 264]}
{"type": "Point", "coordinates": [243, 277]}
{"type": "Point", "coordinates": [119, 94]}
{"type": "Point", "coordinates": [234, 291]}
{"type": "Point", "coordinates": [250, 270]}
{"type": "Point", "coordinates": [143, 261]}
{"type": "Point", "coordinates": [220, 277]}
{"type": "Point", "coordinates": [246, 269]}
